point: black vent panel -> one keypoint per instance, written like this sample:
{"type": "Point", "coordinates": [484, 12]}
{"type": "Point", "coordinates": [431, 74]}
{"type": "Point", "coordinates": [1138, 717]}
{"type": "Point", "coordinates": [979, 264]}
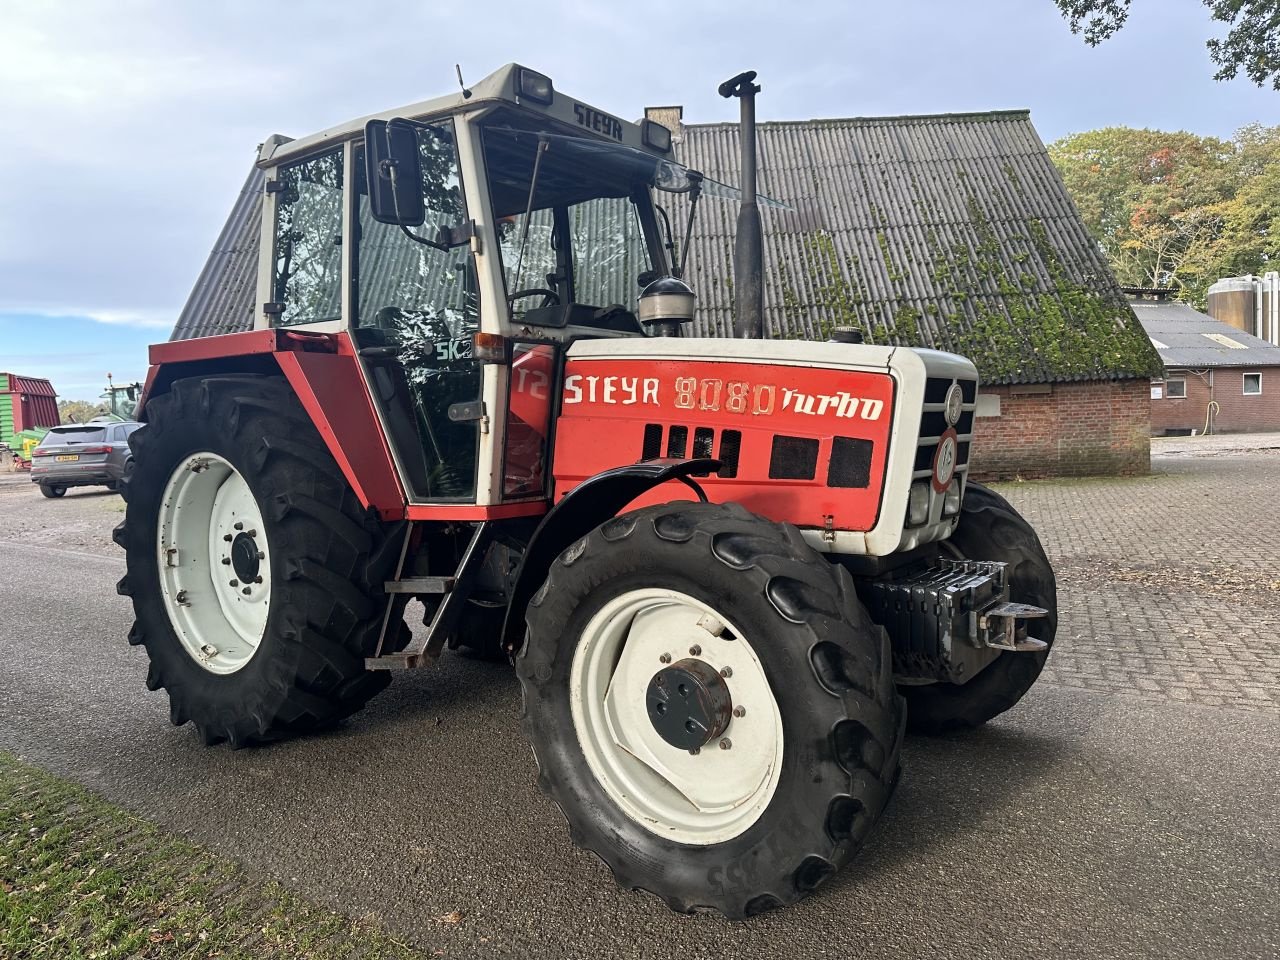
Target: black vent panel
{"type": "Point", "coordinates": [651, 449]}
{"type": "Point", "coordinates": [677, 442]}
{"type": "Point", "coordinates": [793, 458]}
{"type": "Point", "coordinates": [730, 447]}
{"type": "Point", "coordinates": [850, 465]}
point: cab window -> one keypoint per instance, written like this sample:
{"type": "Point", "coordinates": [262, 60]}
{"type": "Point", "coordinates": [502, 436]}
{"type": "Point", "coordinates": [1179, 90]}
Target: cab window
{"type": "Point", "coordinates": [307, 276]}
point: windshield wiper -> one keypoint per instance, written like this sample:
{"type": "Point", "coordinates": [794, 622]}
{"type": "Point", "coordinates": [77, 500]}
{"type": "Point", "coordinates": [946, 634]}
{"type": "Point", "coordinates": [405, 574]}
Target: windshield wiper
{"type": "Point", "coordinates": [543, 146]}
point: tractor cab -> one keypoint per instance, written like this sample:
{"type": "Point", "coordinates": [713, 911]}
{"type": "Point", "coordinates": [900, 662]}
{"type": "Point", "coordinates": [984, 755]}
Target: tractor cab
{"type": "Point", "coordinates": [460, 243]}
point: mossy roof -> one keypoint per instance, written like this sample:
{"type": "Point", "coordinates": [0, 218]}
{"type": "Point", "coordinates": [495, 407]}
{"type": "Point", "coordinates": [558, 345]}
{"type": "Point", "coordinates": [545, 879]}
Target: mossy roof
{"type": "Point", "coordinates": [952, 231]}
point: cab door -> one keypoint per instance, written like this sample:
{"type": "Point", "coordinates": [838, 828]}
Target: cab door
{"type": "Point", "coordinates": [414, 309]}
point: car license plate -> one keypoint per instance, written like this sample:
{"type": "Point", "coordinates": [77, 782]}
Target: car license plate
{"type": "Point", "coordinates": [67, 457]}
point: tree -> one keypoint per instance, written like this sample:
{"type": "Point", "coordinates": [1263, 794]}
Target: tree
{"type": "Point", "coordinates": [79, 411]}
{"type": "Point", "coordinates": [1151, 199]}
{"type": "Point", "coordinates": [1252, 44]}
{"type": "Point", "coordinates": [1176, 209]}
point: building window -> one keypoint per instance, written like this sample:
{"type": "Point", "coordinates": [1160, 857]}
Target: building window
{"type": "Point", "coordinates": [1175, 389]}
{"type": "Point", "coordinates": [1253, 384]}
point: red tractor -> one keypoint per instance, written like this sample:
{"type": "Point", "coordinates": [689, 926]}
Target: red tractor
{"type": "Point", "coordinates": [730, 572]}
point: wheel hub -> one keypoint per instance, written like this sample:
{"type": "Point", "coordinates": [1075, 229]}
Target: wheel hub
{"type": "Point", "coordinates": [689, 704]}
{"type": "Point", "coordinates": [244, 558]}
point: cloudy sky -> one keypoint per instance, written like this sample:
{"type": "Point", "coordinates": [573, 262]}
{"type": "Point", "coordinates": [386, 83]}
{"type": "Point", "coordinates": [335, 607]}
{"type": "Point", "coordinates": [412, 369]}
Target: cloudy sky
{"type": "Point", "coordinates": [130, 125]}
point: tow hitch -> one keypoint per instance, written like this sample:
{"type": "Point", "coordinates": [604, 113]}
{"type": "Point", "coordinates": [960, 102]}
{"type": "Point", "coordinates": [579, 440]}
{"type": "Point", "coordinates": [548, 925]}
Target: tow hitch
{"type": "Point", "coordinates": [1002, 631]}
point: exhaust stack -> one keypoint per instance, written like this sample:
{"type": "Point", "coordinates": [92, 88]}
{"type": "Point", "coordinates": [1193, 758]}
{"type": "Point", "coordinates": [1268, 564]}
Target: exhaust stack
{"type": "Point", "coordinates": [748, 247]}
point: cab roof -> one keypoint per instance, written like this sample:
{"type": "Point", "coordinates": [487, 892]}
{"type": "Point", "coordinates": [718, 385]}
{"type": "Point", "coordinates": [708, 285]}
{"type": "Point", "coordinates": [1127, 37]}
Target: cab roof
{"type": "Point", "coordinates": [501, 86]}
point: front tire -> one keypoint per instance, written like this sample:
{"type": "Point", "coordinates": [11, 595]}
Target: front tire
{"type": "Point", "coordinates": [771, 804]}
{"type": "Point", "coordinates": [991, 529]}
{"type": "Point", "coordinates": [52, 490]}
{"type": "Point", "coordinates": [255, 574]}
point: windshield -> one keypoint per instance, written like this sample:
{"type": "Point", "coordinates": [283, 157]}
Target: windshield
{"type": "Point", "coordinates": [571, 216]}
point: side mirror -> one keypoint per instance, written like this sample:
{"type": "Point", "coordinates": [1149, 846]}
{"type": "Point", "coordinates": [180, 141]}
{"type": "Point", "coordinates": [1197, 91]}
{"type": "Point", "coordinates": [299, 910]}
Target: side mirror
{"type": "Point", "coordinates": [393, 168]}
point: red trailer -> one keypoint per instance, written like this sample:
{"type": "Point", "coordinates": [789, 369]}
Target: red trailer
{"type": "Point", "coordinates": [26, 403]}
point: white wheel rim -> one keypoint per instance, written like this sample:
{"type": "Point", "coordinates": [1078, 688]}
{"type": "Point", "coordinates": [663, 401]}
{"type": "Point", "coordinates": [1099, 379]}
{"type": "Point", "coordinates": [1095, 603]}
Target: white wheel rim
{"type": "Point", "coordinates": [217, 599]}
{"type": "Point", "coordinates": [700, 799]}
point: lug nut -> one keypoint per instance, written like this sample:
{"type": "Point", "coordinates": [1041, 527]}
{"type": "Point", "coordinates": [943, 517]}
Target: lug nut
{"type": "Point", "coordinates": [227, 537]}
{"type": "Point", "coordinates": [237, 525]}
{"type": "Point", "coordinates": [726, 744]}
{"type": "Point", "coordinates": [245, 591]}
{"type": "Point", "coordinates": [739, 711]}
{"type": "Point", "coordinates": [253, 533]}
{"type": "Point", "coordinates": [695, 651]}
{"type": "Point", "coordinates": [665, 658]}
{"type": "Point", "coordinates": [727, 672]}
{"type": "Point", "coordinates": [261, 555]}
{"type": "Point", "coordinates": [695, 751]}
{"type": "Point", "coordinates": [226, 561]}
{"type": "Point", "coordinates": [257, 579]}
{"type": "Point", "coordinates": [235, 583]}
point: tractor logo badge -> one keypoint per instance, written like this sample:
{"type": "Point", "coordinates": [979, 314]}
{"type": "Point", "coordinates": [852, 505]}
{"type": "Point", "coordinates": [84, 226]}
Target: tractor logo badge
{"type": "Point", "coordinates": [955, 399]}
{"type": "Point", "coordinates": [944, 460]}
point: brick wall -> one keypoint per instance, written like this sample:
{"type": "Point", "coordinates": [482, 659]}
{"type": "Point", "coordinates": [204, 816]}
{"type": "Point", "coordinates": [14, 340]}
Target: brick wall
{"type": "Point", "coordinates": [1236, 413]}
{"type": "Point", "coordinates": [1063, 429]}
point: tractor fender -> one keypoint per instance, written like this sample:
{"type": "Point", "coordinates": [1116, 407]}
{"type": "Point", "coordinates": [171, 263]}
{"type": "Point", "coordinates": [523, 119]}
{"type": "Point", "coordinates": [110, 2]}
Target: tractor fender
{"type": "Point", "coordinates": [585, 507]}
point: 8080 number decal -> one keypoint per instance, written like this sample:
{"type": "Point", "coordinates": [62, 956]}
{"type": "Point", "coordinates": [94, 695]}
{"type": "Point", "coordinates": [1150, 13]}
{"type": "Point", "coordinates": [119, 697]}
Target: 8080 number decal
{"type": "Point", "coordinates": [762, 399]}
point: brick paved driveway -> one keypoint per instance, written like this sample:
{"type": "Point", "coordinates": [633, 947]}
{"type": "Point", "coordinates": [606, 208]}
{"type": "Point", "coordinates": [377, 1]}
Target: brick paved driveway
{"type": "Point", "coordinates": [1169, 584]}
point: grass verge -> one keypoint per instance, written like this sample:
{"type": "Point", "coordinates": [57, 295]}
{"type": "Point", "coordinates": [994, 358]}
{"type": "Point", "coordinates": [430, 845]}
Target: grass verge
{"type": "Point", "coordinates": [81, 878]}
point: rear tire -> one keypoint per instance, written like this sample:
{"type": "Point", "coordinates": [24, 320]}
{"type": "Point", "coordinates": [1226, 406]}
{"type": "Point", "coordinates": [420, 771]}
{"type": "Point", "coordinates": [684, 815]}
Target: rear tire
{"type": "Point", "coordinates": [52, 490]}
{"type": "Point", "coordinates": [325, 562]}
{"type": "Point", "coordinates": [809, 653]}
{"type": "Point", "coordinates": [991, 529]}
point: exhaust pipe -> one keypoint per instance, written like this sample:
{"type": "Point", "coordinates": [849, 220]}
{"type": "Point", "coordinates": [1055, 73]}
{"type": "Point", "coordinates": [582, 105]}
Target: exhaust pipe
{"type": "Point", "coordinates": [748, 246]}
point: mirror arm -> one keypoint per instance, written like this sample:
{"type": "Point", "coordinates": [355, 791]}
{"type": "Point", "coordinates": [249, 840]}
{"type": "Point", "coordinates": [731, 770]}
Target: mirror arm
{"type": "Point", "coordinates": [433, 244]}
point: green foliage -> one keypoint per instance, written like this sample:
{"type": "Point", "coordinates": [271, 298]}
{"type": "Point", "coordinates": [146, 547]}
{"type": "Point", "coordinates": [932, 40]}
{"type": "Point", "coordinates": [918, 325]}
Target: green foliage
{"type": "Point", "coordinates": [1176, 209]}
{"type": "Point", "coordinates": [80, 411]}
{"type": "Point", "coordinates": [1252, 44]}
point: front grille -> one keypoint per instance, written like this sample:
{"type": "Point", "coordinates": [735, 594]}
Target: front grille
{"type": "Point", "coordinates": [933, 423]}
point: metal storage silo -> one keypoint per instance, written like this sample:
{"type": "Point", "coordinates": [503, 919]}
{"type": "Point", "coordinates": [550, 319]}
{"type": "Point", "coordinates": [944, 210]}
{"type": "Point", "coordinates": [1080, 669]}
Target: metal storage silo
{"type": "Point", "coordinates": [1233, 301]}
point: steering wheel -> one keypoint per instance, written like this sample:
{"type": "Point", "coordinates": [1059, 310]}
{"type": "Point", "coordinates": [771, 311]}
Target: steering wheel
{"type": "Point", "coordinates": [550, 297]}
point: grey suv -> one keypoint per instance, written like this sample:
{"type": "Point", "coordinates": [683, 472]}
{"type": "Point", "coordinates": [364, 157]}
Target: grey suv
{"type": "Point", "coordinates": [83, 455]}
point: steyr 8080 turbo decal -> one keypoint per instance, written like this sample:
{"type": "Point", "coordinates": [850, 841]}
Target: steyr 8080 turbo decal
{"type": "Point", "coordinates": [804, 444]}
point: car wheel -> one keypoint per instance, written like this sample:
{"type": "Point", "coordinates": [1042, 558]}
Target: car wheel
{"type": "Point", "coordinates": [52, 490]}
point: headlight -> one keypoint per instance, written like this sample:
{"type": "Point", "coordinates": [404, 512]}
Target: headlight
{"type": "Point", "coordinates": [535, 86]}
{"type": "Point", "coordinates": [951, 502]}
{"type": "Point", "coordinates": [918, 504]}
{"type": "Point", "coordinates": [655, 135]}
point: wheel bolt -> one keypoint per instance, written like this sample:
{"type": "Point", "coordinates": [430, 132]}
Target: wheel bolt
{"type": "Point", "coordinates": [226, 561]}
{"type": "Point", "coordinates": [727, 672]}
{"type": "Point", "coordinates": [726, 744]}
{"type": "Point", "coordinates": [739, 711]}
{"type": "Point", "coordinates": [253, 533]}
{"type": "Point", "coordinates": [227, 537]}
{"type": "Point", "coordinates": [237, 525]}
{"type": "Point", "coordinates": [257, 579]}
{"type": "Point", "coordinates": [695, 751]}
{"type": "Point", "coordinates": [235, 583]}
{"type": "Point", "coordinates": [261, 555]}
{"type": "Point", "coordinates": [665, 658]}
{"type": "Point", "coordinates": [245, 591]}
{"type": "Point", "coordinates": [695, 651]}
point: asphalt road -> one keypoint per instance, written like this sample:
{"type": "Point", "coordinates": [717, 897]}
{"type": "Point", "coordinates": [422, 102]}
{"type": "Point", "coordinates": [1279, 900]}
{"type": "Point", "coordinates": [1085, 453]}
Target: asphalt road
{"type": "Point", "coordinates": [1081, 824]}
